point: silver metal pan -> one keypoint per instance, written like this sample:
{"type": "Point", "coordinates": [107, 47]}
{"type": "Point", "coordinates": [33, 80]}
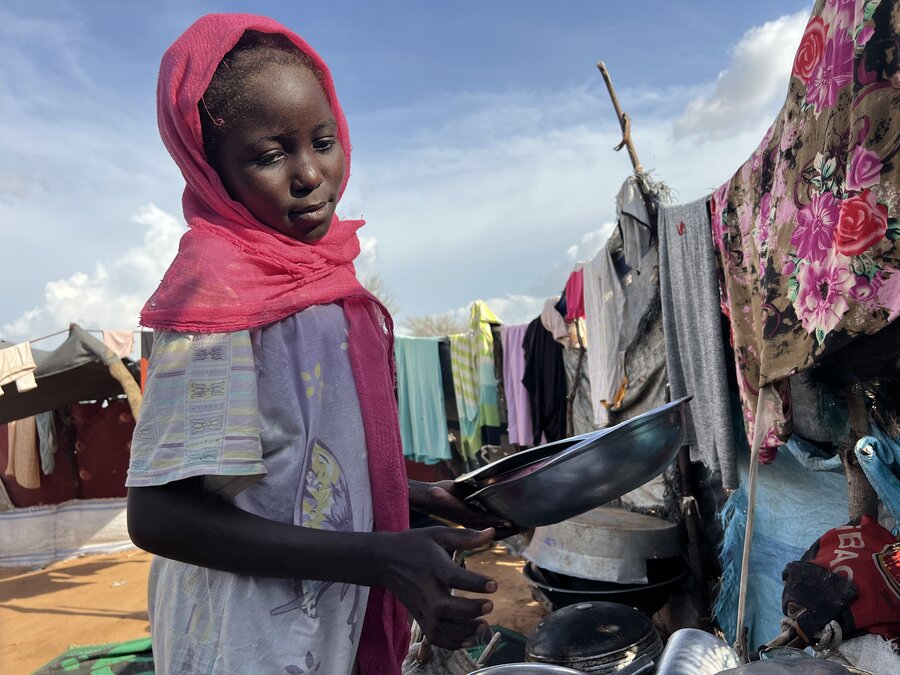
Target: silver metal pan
{"type": "Point", "coordinates": [599, 467]}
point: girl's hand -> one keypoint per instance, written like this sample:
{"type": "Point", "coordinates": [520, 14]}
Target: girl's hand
{"type": "Point", "coordinates": [418, 570]}
{"type": "Point", "coordinates": [444, 499]}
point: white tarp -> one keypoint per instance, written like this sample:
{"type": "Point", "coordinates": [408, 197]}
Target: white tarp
{"type": "Point", "coordinates": [39, 535]}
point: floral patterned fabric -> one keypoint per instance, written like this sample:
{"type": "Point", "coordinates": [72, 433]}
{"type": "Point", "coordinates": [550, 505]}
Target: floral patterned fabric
{"type": "Point", "coordinates": [806, 231]}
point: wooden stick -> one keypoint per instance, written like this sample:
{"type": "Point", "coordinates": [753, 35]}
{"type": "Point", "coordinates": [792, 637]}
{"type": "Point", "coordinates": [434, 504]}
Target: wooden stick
{"type": "Point", "coordinates": [624, 121]}
{"type": "Point", "coordinates": [570, 399]}
{"type": "Point", "coordinates": [861, 496]}
{"type": "Point", "coordinates": [759, 432]}
{"type": "Point", "coordinates": [489, 650]}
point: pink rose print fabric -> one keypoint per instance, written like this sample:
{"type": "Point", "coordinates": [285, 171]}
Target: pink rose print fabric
{"type": "Point", "coordinates": [806, 231]}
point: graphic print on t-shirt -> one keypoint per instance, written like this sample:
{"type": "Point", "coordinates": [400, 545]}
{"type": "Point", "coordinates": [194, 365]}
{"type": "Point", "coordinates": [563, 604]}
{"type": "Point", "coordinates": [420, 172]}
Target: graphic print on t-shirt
{"type": "Point", "coordinates": [326, 506]}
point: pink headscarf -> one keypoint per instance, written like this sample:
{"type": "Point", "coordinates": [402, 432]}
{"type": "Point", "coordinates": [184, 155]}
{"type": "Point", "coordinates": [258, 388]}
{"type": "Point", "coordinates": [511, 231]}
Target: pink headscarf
{"type": "Point", "coordinates": [234, 273]}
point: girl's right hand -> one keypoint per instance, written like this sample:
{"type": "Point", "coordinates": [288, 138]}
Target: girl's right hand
{"type": "Point", "coordinates": [419, 571]}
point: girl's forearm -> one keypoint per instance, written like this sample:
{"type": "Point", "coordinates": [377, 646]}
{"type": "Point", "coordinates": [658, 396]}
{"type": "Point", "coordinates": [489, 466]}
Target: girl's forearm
{"type": "Point", "coordinates": [181, 521]}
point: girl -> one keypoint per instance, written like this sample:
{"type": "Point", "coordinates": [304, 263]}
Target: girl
{"type": "Point", "coordinates": [266, 469]}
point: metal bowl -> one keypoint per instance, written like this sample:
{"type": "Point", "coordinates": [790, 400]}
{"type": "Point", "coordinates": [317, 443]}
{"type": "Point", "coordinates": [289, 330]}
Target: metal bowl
{"type": "Point", "coordinates": [601, 467]}
{"type": "Point", "coordinates": [561, 590]}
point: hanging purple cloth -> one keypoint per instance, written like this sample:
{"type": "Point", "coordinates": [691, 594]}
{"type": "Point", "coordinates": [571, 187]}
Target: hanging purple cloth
{"type": "Point", "coordinates": [519, 408]}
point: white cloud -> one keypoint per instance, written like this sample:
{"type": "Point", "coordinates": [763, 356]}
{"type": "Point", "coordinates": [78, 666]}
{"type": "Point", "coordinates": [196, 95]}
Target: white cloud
{"type": "Point", "coordinates": [113, 294]}
{"type": "Point", "coordinates": [510, 308]}
{"type": "Point", "coordinates": [513, 308]}
{"type": "Point", "coordinates": [590, 245]}
{"type": "Point", "coordinates": [755, 78]}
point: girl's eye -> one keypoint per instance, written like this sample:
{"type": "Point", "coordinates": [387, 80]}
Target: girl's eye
{"type": "Point", "coordinates": [324, 144]}
{"type": "Point", "coordinates": [270, 158]}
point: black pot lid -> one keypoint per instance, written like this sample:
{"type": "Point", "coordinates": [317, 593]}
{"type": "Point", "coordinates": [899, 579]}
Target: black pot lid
{"type": "Point", "coordinates": [587, 630]}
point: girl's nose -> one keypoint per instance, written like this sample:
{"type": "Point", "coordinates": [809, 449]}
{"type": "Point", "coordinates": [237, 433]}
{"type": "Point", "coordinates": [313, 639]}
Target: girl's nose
{"type": "Point", "coordinates": [307, 175]}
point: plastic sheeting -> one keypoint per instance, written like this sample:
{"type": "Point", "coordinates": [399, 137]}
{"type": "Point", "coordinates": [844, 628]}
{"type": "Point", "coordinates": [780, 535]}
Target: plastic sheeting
{"type": "Point", "coordinates": [795, 505]}
{"type": "Point", "coordinates": [40, 535]}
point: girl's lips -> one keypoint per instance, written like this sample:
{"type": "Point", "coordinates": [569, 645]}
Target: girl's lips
{"type": "Point", "coordinates": [313, 213]}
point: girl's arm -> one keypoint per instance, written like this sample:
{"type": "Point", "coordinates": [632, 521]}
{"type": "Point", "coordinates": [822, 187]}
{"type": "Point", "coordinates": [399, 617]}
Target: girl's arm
{"type": "Point", "coordinates": [181, 521]}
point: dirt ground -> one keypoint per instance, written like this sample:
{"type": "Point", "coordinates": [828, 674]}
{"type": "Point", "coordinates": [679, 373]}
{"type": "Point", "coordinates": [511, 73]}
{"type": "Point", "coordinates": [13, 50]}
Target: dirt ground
{"type": "Point", "coordinates": [102, 598]}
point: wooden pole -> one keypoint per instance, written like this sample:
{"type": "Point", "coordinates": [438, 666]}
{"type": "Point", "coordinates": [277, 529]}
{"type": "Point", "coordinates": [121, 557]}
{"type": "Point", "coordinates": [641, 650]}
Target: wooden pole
{"type": "Point", "coordinates": [624, 120]}
{"type": "Point", "coordinates": [692, 528]}
{"type": "Point", "coordinates": [759, 432]}
{"type": "Point", "coordinates": [861, 496]}
{"type": "Point", "coordinates": [570, 399]}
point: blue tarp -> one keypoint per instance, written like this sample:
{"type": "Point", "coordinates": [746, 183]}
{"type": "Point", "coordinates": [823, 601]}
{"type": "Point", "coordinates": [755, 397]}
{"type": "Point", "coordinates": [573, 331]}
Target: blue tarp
{"type": "Point", "coordinates": [799, 497]}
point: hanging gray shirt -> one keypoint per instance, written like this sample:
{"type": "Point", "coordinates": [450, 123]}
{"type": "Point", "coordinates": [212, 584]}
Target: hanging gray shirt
{"type": "Point", "coordinates": [695, 356]}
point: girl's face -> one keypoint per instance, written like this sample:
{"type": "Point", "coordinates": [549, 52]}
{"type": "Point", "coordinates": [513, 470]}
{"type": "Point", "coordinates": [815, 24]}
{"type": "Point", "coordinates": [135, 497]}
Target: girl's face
{"type": "Point", "coordinates": [281, 157]}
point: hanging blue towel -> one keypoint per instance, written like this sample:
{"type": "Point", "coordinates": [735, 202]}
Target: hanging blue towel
{"type": "Point", "coordinates": [879, 457]}
{"type": "Point", "coordinates": [420, 398]}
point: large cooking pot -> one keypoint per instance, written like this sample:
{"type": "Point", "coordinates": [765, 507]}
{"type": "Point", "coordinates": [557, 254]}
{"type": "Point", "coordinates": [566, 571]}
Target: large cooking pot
{"type": "Point", "coordinates": [605, 544]}
{"type": "Point", "coordinates": [593, 637]}
{"type": "Point", "coordinates": [601, 466]}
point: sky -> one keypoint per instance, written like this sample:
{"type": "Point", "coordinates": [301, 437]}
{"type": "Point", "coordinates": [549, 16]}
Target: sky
{"type": "Point", "coordinates": [482, 136]}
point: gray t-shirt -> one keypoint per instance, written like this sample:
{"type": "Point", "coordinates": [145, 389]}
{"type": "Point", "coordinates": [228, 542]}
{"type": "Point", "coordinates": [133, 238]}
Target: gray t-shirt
{"type": "Point", "coordinates": [271, 420]}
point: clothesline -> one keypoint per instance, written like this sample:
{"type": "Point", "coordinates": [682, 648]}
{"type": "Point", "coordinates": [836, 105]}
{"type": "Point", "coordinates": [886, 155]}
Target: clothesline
{"type": "Point", "coordinates": [89, 330]}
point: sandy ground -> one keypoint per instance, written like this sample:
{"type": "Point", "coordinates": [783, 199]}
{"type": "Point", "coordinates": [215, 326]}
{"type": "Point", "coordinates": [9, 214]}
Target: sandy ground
{"type": "Point", "coordinates": [102, 598]}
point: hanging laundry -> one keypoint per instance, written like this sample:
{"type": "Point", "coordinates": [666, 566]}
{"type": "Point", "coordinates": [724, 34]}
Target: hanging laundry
{"type": "Point", "coordinates": [517, 401]}
{"type": "Point", "coordinates": [55, 488]}
{"type": "Point", "coordinates": [46, 430]}
{"type": "Point", "coordinates": [641, 336]}
{"type": "Point", "coordinates": [806, 231]}
{"type": "Point", "coordinates": [553, 321]}
{"type": "Point", "coordinates": [575, 295]}
{"type": "Point", "coordinates": [423, 419]}
{"type": "Point", "coordinates": [695, 354]}
{"type": "Point", "coordinates": [24, 462]}
{"type": "Point", "coordinates": [474, 383]}
{"type": "Point", "coordinates": [642, 343]}
{"type": "Point", "coordinates": [545, 380]}
{"type": "Point", "coordinates": [120, 342]}
{"type": "Point", "coordinates": [604, 311]}
{"type": "Point", "coordinates": [610, 326]}
{"type": "Point", "coordinates": [17, 365]}
{"type": "Point", "coordinates": [577, 380]}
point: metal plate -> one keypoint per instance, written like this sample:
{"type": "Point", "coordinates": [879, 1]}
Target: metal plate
{"type": "Point", "coordinates": [601, 467]}
{"type": "Point", "coordinates": [523, 458]}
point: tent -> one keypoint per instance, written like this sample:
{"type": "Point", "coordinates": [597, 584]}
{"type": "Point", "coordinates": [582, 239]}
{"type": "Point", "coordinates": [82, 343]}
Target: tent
{"type": "Point", "coordinates": [82, 368]}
